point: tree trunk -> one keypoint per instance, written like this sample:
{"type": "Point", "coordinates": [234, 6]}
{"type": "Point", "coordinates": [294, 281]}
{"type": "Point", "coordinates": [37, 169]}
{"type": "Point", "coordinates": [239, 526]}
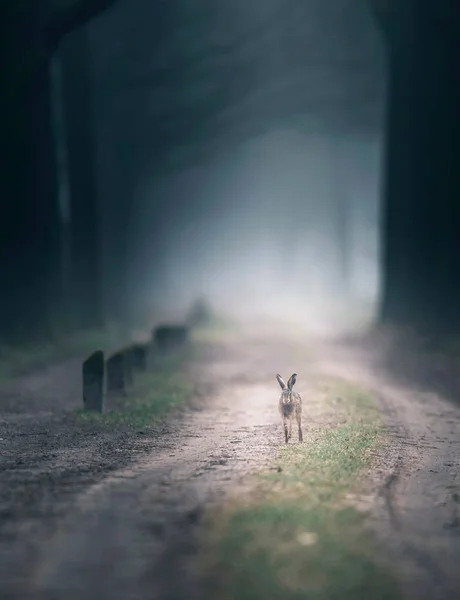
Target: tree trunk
{"type": "Point", "coordinates": [340, 216]}
{"type": "Point", "coordinates": [422, 173]}
{"type": "Point", "coordinates": [29, 224]}
{"type": "Point", "coordinates": [84, 209]}
{"type": "Point", "coordinates": [62, 168]}
{"type": "Point", "coordinates": [30, 227]}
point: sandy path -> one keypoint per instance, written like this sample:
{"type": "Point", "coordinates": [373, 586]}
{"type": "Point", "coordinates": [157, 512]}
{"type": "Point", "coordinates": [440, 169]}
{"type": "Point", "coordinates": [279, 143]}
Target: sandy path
{"type": "Point", "coordinates": [126, 524]}
{"type": "Point", "coordinates": [130, 535]}
{"type": "Point", "coordinates": [416, 486]}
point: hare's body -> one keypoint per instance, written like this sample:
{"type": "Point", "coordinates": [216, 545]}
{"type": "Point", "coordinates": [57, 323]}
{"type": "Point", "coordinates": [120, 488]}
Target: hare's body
{"type": "Point", "coordinates": [290, 407]}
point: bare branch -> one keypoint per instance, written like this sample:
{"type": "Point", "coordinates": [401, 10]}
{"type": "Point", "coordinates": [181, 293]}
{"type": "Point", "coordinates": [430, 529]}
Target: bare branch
{"type": "Point", "coordinates": [67, 15]}
{"type": "Point", "coordinates": [382, 11]}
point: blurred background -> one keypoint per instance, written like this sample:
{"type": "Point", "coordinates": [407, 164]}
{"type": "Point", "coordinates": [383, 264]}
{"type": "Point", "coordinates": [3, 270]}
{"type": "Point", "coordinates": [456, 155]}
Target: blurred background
{"type": "Point", "coordinates": [255, 153]}
{"type": "Point", "coordinates": [245, 138]}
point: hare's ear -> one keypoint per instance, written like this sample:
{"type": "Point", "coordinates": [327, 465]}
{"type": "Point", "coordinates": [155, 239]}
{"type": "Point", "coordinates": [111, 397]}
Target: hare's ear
{"type": "Point", "coordinates": [292, 380]}
{"type": "Point", "coordinates": [281, 382]}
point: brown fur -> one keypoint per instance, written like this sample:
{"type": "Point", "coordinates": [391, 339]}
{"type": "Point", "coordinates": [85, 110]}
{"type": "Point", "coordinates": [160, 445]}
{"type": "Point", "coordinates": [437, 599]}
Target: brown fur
{"type": "Point", "coordinates": [290, 406]}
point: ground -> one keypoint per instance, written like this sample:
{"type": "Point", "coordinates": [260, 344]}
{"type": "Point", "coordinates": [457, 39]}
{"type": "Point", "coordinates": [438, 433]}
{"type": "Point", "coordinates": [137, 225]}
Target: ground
{"type": "Point", "coordinates": [104, 509]}
{"type": "Point", "coordinates": [416, 492]}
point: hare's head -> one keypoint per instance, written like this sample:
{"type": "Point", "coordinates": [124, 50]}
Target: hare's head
{"type": "Point", "coordinates": [286, 394]}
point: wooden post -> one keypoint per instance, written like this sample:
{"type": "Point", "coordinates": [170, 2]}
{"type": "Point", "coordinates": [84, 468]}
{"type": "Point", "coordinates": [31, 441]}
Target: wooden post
{"type": "Point", "coordinates": [116, 379]}
{"type": "Point", "coordinates": [128, 363]}
{"type": "Point", "coordinates": [140, 354]}
{"type": "Point", "coordinates": [93, 382]}
{"type": "Point", "coordinates": [170, 337]}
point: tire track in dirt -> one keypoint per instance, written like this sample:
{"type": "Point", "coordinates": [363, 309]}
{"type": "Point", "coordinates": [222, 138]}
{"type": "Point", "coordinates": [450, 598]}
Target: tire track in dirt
{"type": "Point", "coordinates": [132, 534]}
{"type": "Point", "coordinates": [129, 521]}
{"type": "Point", "coordinates": [416, 514]}
{"type": "Point", "coordinates": [126, 523]}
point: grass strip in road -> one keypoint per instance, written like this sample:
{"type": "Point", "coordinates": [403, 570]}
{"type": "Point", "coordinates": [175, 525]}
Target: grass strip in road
{"type": "Point", "coordinates": [290, 532]}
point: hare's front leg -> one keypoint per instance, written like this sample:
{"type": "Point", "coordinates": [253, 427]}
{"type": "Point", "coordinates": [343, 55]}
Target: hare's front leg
{"type": "Point", "coordinates": [298, 416]}
{"type": "Point", "coordinates": [290, 427]}
{"type": "Point", "coordinates": [286, 430]}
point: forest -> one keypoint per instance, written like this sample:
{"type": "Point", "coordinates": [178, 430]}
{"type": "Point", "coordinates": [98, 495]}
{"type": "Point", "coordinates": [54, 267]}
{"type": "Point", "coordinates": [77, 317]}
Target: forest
{"type": "Point", "coordinates": [93, 128]}
{"type": "Point", "coordinates": [290, 168]}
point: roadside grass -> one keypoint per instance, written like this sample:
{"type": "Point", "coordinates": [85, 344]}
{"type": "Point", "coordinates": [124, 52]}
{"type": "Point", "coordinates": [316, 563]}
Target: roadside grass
{"type": "Point", "coordinates": [15, 360]}
{"type": "Point", "coordinates": [291, 532]}
{"type": "Point", "coordinates": [154, 394]}
{"type": "Point", "coordinates": [166, 387]}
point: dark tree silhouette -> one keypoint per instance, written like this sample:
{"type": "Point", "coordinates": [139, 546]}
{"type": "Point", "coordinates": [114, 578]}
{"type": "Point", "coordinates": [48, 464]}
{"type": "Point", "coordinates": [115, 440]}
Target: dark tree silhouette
{"type": "Point", "coordinates": [77, 101]}
{"type": "Point", "coordinates": [30, 228]}
{"type": "Point", "coordinates": [341, 217]}
{"type": "Point", "coordinates": [422, 169]}
{"type": "Point", "coordinates": [189, 81]}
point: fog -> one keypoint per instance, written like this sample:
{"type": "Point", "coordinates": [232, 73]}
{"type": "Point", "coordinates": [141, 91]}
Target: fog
{"type": "Point", "coordinates": [248, 141]}
{"type": "Point", "coordinates": [287, 227]}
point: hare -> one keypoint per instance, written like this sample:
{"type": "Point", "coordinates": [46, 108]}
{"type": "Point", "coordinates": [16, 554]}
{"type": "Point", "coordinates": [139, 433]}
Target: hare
{"type": "Point", "coordinates": [290, 404]}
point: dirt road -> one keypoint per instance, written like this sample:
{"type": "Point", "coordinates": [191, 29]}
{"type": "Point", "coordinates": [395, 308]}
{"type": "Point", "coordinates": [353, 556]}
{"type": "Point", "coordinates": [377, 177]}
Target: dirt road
{"type": "Point", "coordinates": [113, 516]}
{"type": "Point", "coordinates": [67, 523]}
{"type": "Point", "coordinates": [417, 492]}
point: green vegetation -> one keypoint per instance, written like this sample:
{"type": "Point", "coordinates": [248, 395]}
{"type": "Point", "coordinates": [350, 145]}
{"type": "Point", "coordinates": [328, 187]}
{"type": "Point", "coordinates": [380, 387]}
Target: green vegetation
{"type": "Point", "coordinates": [291, 532]}
{"type": "Point", "coordinates": [166, 387]}
{"type": "Point", "coordinates": [19, 359]}
{"type": "Point", "coordinates": [154, 394]}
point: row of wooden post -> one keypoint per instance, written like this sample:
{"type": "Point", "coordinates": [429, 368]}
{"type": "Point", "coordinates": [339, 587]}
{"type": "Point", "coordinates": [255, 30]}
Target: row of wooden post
{"type": "Point", "coordinates": [115, 374]}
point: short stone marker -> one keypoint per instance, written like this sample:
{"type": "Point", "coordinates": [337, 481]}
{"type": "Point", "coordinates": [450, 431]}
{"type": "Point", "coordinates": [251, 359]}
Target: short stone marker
{"type": "Point", "coordinates": [93, 382]}
{"type": "Point", "coordinates": [170, 337]}
{"type": "Point", "coordinates": [116, 377]}
{"type": "Point", "coordinates": [128, 365]}
{"type": "Point", "coordinates": [139, 355]}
